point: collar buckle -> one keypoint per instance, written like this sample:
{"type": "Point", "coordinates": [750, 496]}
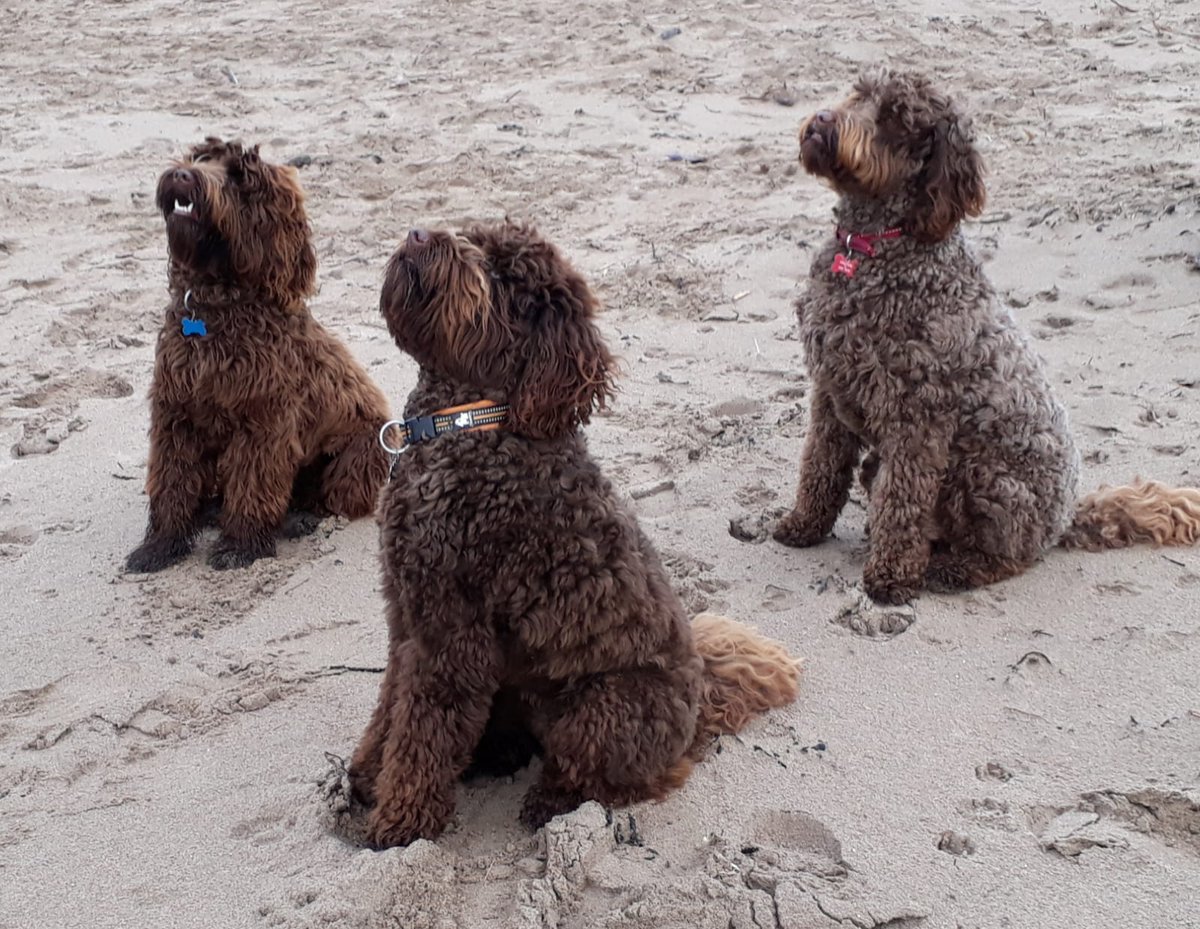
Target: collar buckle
{"type": "Point", "coordinates": [420, 429]}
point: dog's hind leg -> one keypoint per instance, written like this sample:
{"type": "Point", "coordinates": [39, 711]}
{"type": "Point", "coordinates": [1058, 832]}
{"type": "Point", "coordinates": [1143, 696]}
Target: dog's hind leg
{"type": "Point", "coordinates": [441, 697]}
{"type": "Point", "coordinates": [355, 473]}
{"type": "Point", "coordinates": [619, 738]}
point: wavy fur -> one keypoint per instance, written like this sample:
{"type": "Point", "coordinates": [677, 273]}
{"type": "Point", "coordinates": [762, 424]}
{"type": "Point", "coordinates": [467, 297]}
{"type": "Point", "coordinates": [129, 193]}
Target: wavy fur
{"type": "Point", "coordinates": [267, 411]}
{"type": "Point", "coordinates": [528, 613]}
{"type": "Point", "coordinates": [1141, 513]}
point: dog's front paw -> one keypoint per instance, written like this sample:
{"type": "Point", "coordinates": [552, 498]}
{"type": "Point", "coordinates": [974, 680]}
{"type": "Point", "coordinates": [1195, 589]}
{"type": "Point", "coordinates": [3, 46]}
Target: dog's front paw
{"type": "Point", "coordinates": [887, 587]}
{"type": "Point", "coordinates": [343, 810]}
{"type": "Point", "coordinates": [385, 831]}
{"type": "Point", "coordinates": [381, 836]}
{"type": "Point", "coordinates": [156, 554]}
{"type": "Point", "coordinates": [230, 553]}
{"type": "Point", "coordinates": [361, 786]}
{"type": "Point", "coordinates": [797, 531]}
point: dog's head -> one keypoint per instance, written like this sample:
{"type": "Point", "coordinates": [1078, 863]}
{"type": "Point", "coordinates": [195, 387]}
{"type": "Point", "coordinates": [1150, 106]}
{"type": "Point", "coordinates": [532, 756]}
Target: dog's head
{"type": "Point", "coordinates": [498, 307]}
{"type": "Point", "coordinates": [233, 217]}
{"type": "Point", "coordinates": [896, 133]}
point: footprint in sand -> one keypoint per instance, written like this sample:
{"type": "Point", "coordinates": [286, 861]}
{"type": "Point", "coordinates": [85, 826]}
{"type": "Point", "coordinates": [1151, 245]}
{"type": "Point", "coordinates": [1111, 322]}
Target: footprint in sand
{"type": "Point", "coordinates": [955, 843]}
{"type": "Point", "coordinates": [16, 540]}
{"type": "Point", "coordinates": [52, 409]}
{"type": "Point", "coordinates": [1122, 291]}
{"type": "Point", "coordinates": [1111, 818]}
{"type": "Point", "coordinates": [993, 771]}
{"type": "Point", "coordinates": [756, 527]}
{"type": "Point", "coordinates": [22, 703]}
{"type": "Point", "coordinates": [1030, 667]}
{"type": "Point", "coordinates": [693, 582]}
{"type": "Point", "coordinates": [865, 617]}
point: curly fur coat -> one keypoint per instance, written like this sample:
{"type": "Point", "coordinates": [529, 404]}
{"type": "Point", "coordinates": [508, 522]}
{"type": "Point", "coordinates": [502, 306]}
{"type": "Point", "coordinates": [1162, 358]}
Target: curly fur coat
{"type": "Point", "coordinates": [969, 464]}
{"type": "Point", "coordinates": [527, 611]}
{"type": "Point", "coordinates": [260, 409]}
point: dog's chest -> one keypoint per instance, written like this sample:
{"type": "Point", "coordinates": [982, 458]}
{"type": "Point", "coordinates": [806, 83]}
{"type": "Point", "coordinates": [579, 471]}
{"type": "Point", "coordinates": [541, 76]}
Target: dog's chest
{"type": "Point", "coordinates": [856, 365]}
{"type": "Point", "coordinates": [224, 374]}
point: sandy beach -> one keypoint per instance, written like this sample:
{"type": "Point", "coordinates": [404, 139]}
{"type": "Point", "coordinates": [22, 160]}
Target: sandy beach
{"type": "Point", "coordinates": [1023, 756]}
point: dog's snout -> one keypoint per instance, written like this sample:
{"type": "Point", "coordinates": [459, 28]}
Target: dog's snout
{"type": "Point", "coordinates": [824, 117]}
{"type": "Point", "coordinates": [182, 176]}
{"type": "Point", "coordinates": [418, 236]}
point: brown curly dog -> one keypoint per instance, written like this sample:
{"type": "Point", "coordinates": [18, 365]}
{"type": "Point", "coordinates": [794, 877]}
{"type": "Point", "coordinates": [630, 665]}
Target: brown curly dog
{"type": "Point", "coordinates": [970, 468]}
{"type": "Point", "coordinates": [527, 611]}
{"type": "Point", "coordinates": [253, 404]}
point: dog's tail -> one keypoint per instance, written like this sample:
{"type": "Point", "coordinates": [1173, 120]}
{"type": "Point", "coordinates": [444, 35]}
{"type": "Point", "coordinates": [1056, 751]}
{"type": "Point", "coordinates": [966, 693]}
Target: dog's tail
{"type": "Point", "coordinates": [745, 674]}
{"type": "Point", "coordinates": [354, 476]}
{"type": "Point", "coordinates": [1144, 512]}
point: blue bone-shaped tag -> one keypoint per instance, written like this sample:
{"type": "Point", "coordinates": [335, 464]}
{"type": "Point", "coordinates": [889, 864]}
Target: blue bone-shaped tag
{"type": "Point", "coordinates": [194, 327]}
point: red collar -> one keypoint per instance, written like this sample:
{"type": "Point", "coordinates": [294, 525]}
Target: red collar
{"type": "Point", "coordinates": [864, 242]}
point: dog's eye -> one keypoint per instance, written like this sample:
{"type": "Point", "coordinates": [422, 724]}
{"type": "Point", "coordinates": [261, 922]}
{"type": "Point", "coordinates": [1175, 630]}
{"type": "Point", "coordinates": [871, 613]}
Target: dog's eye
{"type": "Point", "coordinates": [201, 158]}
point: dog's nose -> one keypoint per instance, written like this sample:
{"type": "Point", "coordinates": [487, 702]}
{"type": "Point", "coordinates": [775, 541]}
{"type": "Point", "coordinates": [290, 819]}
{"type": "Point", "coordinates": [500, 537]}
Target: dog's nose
{"type": "Point", "coordinates": [825, 117]}
{"type": "Point", "coordinates": [182, 176]}
{"type": "Point", "coordinates": [418, 236]}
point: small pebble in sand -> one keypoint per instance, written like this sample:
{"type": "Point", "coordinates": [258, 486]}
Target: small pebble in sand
{"type": "Point", "coordinates": [785, 96]}
{"type": "Point", "coordinates": [254, 701]}
{"type": "Point", "coordinates": [530, 866]}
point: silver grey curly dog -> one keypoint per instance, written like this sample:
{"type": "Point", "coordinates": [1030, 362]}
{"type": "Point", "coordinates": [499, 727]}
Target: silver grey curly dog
{"type": "Point", "coordinates": [969, 465]}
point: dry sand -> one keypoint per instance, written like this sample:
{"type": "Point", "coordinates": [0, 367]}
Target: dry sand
{"type": "Point", "coordinates": [1025, 756]}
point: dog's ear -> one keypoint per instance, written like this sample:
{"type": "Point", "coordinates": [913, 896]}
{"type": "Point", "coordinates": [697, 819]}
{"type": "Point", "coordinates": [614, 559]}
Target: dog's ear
{"type": "Point", "coordinates": [278, 247]}
{"type": "Point", "coordinates": [950, 186]}
{"type": "Point", "coordinates": [567, 371]}
{"type": "Point", "coordinates": [304, 269]}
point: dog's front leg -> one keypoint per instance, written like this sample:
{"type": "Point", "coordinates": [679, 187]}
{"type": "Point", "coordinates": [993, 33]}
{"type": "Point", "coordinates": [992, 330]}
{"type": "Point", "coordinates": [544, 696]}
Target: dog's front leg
{"type": "Point", "coordinates": [177, 474]}
{"type": "Point", "coordinates": [441, 697]}
{"type": "Point", "coordinates": [368, 755]}
{"type": "Point", "coordinates": [903, 497]}
{"type": "Point", "coordinates": [826, 473]}
{"type": "Point", "coordinates": [256, 471]}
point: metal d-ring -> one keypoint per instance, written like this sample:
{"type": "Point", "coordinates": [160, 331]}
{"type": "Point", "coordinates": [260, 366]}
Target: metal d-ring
{"type": "Point", "coordinates": [383, 431]}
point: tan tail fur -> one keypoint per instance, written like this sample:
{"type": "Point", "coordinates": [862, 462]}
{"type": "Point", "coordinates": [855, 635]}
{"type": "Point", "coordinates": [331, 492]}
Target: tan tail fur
{"type": "Point", "coordinates": [1144, 512]}
{"type": "Point", "coordinates": [745, 674]}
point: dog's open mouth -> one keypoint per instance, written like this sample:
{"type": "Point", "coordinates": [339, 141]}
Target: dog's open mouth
{"type": "Point", "coordinates": [180, 198]}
